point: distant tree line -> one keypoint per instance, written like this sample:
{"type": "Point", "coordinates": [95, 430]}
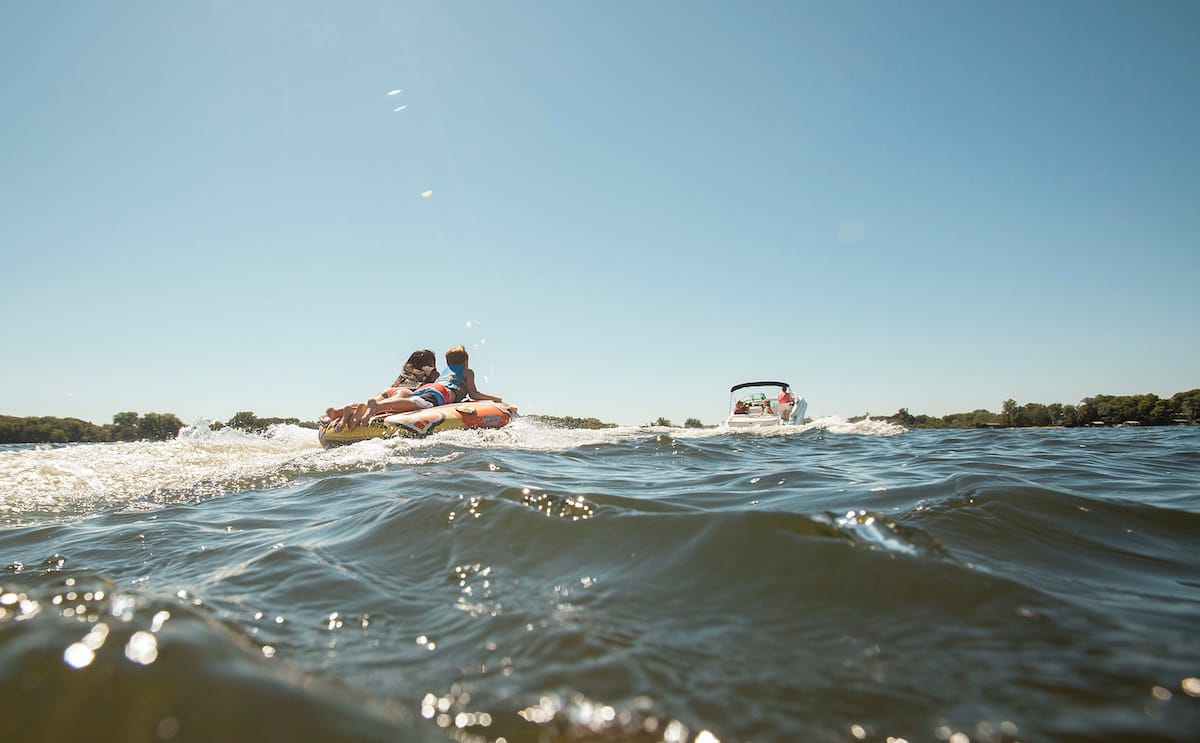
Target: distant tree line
{"type": "Point", "coordinates": [1182, 408]}
{"type": "Point", "coordinates": [125, 427]}
{"type": "Point", "coordinates": [251, 423]}
{"type": "Point", "coordinates": [689, 423]}
{"type": "Point", "coordinates": [128, 426]}
{"type": "Point", "coordinates": [570, 422]}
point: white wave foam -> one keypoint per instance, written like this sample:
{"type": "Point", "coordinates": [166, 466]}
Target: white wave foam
{"type": "Point", "coordinates": [867, 426]}
{"type": "Point", "coordinates": [831, 424]}
{"type": "Point", "coordinates": [78, 480]}
{"type": "Point", "coordinates": [524, 434]}
{"type": "Point", "coordinates": [70, 481]}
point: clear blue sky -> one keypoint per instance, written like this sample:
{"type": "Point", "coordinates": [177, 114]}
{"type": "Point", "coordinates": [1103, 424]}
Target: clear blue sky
{"type": "Point", "coordinates": [209, 207]}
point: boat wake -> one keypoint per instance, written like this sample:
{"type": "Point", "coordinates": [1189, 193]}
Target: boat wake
{"type": "Point", "coordinates": [53, 482]}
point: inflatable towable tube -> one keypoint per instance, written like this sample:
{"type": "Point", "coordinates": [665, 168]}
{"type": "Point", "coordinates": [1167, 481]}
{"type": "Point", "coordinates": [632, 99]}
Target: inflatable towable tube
{"type": "Point", "coordinates": [419, 423]}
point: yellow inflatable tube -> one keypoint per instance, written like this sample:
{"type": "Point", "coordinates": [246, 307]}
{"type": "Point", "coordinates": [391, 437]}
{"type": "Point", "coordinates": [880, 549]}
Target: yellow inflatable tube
{"type": "Point", "coordinates": [424, 422]}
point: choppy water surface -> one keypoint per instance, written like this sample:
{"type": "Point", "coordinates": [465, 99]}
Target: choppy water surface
{"type": "Point", "coordinates": [833, 583]}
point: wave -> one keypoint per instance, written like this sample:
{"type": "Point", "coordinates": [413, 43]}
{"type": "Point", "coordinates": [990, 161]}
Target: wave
{"type": "Point", "coordinates": [53, 482]}
{"type": "Point", "coordinates": [536, 583]}
{"type": "Point", "coordinates": [76, 653]}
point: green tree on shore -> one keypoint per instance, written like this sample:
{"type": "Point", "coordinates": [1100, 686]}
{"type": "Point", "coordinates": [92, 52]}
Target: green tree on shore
{"type": "Point", "coordinates": [125, 426]}
{"type": "Point", "coordinates": [159, 426]}
{"type": "Point", "coordinates": [572, 422]}
{"type": "Point", "coordinates": [246, 420]}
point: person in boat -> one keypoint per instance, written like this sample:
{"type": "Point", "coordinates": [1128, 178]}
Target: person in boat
{"type": "Point", "coordinates": [421, 368]}
{"type": "Point", "coordinates": [785, 402]}
{"type": "Point", "coordinates": [455, 384]}
{"type": "Point", "coordinates": [740, 408]}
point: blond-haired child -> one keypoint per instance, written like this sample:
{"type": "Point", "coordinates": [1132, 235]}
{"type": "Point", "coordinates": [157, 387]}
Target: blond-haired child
{"type": "Point", "coordinates": [455, 384]}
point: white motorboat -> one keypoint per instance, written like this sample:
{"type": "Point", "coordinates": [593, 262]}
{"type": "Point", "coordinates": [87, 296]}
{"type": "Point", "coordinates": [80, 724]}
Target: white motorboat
{"type": "Point", "coordinates": [754, 404]}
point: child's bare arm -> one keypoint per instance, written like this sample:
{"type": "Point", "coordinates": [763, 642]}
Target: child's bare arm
{"type": "Point", "coordinates": [473, 391]}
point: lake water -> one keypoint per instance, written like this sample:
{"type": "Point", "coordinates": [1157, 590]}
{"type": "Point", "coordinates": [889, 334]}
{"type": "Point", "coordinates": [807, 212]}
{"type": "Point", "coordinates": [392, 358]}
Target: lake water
{"type": "Point", "coordinates": [835, 582]}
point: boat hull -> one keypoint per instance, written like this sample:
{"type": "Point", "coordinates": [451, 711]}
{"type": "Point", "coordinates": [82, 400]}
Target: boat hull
{"type": "Point", "coordinates": [753, 421]}
{"type": "Point", "coordinates": [419, 423]}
